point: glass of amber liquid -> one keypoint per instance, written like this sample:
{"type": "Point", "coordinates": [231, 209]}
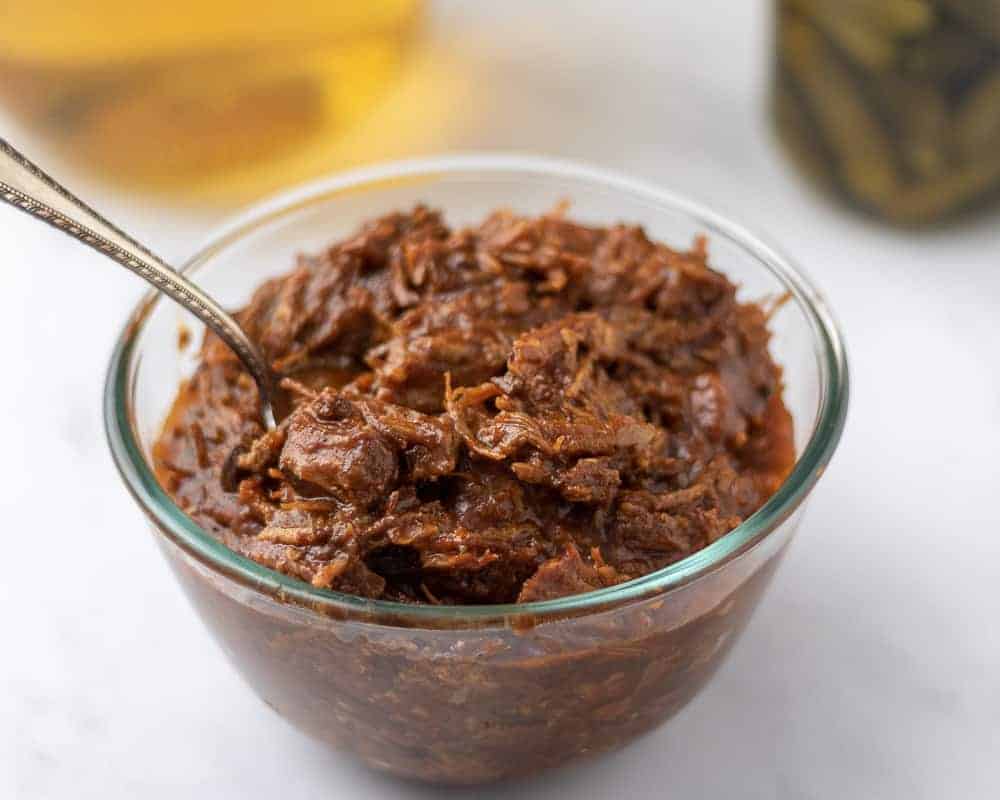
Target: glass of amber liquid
{"type": "Point", "coordinates": [194, 94]}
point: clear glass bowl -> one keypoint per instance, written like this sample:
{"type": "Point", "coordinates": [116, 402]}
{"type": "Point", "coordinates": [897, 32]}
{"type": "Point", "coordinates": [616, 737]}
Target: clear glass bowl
{"type": "Point", "coordinates": [476, 693]}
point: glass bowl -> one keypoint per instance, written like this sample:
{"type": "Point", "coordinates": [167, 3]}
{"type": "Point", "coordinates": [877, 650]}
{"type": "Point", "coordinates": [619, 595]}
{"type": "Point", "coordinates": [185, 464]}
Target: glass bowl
{"type": "Point", "coordinates": [475, 693]}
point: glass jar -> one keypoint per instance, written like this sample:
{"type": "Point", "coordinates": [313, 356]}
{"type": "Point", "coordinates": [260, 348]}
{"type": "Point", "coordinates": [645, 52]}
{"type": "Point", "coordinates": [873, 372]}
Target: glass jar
{"type": "Point", "coordinates": [195, 95]}
{"type": "Point", "coordinates": [895, 104]}
{"type": "Point", "coordinates": [466, 694]}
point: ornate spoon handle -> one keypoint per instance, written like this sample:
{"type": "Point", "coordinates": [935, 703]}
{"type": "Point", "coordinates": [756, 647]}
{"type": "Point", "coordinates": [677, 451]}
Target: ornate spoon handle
{"type": "Point", "coordinates": [26, 187]}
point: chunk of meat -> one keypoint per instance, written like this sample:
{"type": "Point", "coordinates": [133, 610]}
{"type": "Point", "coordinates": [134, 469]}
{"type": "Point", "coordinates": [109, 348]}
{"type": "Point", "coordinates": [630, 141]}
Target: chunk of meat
{"type": "Point", "coordinates": [339, 457]}
{"type": "Point", "coordinates": [567, 574]}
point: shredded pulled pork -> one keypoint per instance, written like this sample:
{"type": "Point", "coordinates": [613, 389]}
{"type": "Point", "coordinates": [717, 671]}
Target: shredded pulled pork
{"type": "Point", "coordinates": [517, 411]}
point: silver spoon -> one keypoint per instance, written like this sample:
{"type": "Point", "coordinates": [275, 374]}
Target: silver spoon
{"type": "Point", "coordinates": [28, 188]}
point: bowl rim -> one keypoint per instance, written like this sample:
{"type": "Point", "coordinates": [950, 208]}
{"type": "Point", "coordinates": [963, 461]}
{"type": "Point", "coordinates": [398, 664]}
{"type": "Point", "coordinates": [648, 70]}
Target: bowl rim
{"type": "Point", "coordinates": [170, 520]}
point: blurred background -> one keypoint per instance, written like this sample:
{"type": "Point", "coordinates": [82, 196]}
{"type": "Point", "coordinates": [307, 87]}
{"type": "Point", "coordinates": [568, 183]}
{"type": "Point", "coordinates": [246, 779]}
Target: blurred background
{"type": "Point", "coordinates": [863, 136]}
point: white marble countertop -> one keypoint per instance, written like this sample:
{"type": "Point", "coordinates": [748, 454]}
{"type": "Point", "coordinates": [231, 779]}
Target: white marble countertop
{"type": "Point", "coordinates": [872, 668]}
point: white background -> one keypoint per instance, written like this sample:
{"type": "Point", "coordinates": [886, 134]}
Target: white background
{"type": "Point", "coordinates": [872, 668]}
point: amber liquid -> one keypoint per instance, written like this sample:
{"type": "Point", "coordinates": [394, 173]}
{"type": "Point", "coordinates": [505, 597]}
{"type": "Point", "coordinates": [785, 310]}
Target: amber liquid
{"type": "Point", "coordinates": [199, 94]}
